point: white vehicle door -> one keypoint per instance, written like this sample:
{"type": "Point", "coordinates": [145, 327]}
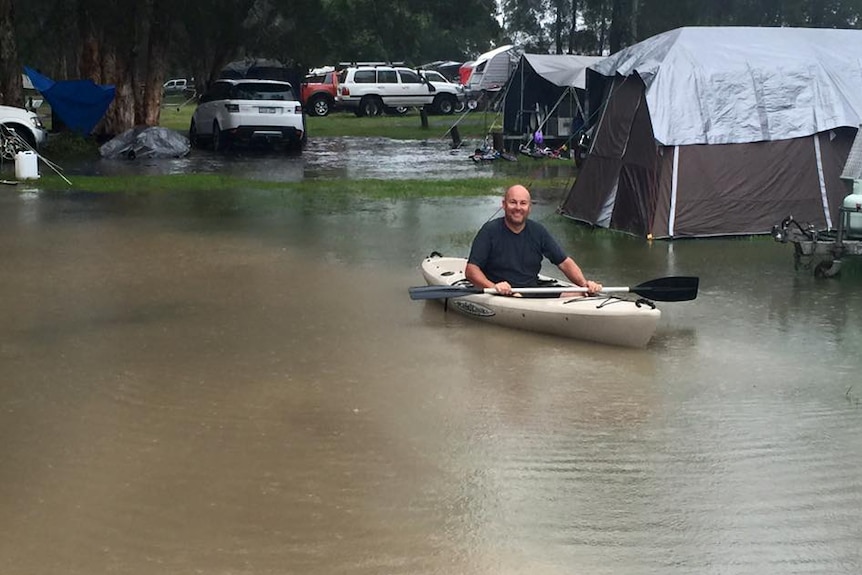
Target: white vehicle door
{"type": "Point", "coordinates": [208, 105]}
{"type": "Point", "coordinates": [415, 90]}
{"type": "Point", "coordinates": [387, 85]}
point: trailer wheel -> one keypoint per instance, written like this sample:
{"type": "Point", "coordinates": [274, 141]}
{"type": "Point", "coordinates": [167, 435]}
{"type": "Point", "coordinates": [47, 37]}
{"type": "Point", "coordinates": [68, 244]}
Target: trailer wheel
{"type": "Point", "coordinates": [827, 269]}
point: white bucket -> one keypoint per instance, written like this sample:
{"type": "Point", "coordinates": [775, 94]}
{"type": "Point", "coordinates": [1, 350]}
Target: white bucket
{"type": "Point", "coordinates": [26, 165]}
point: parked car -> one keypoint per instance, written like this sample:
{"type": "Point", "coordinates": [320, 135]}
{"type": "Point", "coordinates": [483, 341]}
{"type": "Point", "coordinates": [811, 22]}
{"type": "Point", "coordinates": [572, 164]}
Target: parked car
{"type": "Point", "coordinates": [176, 86]}
{"type": "Point", "coordinates": [444, 86]}
{"type": "Point", "coordinates": [371, 90]}
{"type": "Point", "coordinates": [20, 130]}
{"type": "Point", "coordinates": [249, 111]}
{"type": "Point", "coordinates": [319, 90]}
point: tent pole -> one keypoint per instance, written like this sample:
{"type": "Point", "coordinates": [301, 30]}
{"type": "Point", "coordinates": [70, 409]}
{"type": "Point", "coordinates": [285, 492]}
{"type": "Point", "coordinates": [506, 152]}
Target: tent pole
{"type": "Point", "coordinates": [545, 120]}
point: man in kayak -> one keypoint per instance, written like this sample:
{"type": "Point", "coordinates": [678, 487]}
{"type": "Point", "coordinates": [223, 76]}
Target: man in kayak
{"type": "Point", "coordinates": [507, 252]}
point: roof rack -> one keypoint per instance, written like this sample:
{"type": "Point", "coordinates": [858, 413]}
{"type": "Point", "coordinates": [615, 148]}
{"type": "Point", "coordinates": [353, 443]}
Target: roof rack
{"type": "Point", "coordinates": [342, 65]}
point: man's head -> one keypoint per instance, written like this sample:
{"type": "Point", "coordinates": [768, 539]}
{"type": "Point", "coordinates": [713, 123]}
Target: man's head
{"type": "Point", "coordinates": [516, 206]}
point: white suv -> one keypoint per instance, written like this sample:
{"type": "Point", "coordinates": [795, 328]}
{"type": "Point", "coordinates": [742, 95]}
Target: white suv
{"type": "Point", "coordinates": [369, 90]}
{"type": "Point", "coordinates": [265, 111]}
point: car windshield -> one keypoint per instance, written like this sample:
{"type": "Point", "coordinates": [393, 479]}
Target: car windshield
{"type": "Point", "coordinates": [262, 91]}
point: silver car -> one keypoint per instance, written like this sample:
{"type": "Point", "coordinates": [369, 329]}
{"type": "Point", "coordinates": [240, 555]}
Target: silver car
{"type": "Point", "coordinates": [250, 112]}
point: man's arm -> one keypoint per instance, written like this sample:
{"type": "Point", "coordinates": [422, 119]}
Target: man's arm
{"type": "Point", "coordinates": [477, 277]}
{"type": "Point", "coordinates": [576, 276]}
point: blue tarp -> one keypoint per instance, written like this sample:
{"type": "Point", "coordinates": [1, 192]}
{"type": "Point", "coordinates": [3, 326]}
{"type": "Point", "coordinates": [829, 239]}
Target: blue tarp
{"type": "Point", "coordinates": [80, 104]}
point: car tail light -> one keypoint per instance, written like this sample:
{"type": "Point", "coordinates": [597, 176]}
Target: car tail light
{"type": "Point", "coordinates": [232, 108]}
{"type": "Point", "coordinates": [345, 91]}
{"type": "Point", "coordinates": [297, 110]}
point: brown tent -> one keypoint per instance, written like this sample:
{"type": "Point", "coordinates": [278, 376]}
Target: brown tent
{"type": "Point", "coordinates": [719, 164]}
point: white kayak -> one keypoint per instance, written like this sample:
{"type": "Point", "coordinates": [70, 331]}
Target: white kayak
{"type": "Point", "coordinates": [602, 318]}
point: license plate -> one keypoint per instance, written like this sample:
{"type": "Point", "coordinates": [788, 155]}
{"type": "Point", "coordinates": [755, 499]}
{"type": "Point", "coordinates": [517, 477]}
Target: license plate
{"type": "Point", "coordinates": [267, 110]}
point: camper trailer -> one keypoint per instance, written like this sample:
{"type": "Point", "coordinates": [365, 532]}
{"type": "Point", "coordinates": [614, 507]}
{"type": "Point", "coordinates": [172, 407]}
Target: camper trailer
{"type": "Point", "coordinates": [490, 71]}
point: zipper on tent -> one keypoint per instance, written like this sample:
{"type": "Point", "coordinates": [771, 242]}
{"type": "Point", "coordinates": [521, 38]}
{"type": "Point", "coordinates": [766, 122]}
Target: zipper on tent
{"type": "Point", "coordinates": [673, 184]}
{"type": "Point", "coordinates": [823, 197]}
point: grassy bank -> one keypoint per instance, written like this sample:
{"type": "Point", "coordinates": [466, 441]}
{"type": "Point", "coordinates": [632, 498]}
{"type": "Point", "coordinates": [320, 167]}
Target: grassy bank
{"type": "Point", "coordinates": [66, 148]}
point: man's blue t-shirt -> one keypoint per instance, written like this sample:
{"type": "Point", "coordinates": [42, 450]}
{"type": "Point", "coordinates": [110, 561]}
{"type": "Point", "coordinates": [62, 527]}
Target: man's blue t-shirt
{"type": "Point", "coordinates": [516, 258]}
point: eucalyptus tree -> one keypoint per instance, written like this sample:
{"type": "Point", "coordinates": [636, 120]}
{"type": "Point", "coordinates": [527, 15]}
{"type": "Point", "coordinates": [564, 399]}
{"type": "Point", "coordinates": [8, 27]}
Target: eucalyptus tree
{"type": "Point", "coordinates": [413, 31]}
{"type": "Point", "coordinates": [11, 90]}
{"type": "Point", "coordinates": [525, 23]}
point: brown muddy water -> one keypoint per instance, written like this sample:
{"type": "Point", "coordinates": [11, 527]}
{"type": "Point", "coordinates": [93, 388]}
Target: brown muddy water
{"type": "Point", "coordinates": [238, 383]}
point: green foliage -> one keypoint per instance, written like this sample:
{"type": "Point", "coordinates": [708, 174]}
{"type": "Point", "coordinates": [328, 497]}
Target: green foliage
{"type": "Point", "coordinates": [70, 145]}
{"type": "Point", "coordinates": [602, 26]}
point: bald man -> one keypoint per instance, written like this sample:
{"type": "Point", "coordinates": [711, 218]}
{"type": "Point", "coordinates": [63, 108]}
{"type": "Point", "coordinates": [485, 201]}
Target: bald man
{"type": "Point", "coordinates": [508, 251]}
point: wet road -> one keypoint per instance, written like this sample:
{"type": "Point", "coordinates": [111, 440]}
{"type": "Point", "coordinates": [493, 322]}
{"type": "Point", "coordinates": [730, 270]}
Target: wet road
{"type": "Point", "coordinates": [233, 383]}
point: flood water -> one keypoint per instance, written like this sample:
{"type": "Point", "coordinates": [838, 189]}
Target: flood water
{"type": "Point", "coordinates": [238, 383]}
{"type": "Point", "coordinates": [335, 157]}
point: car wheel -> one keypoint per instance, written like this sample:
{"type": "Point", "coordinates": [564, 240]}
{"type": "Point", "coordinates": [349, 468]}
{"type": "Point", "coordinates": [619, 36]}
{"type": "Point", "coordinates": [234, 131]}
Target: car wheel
{"type": "Point", "coordinates": [397, 110]}
{"type": "Point", "coordinates": [319, 106]}
{"type": "Point", "coordinates": [220, 141]}
{"type": "Point", "coordinates": [194, 138]}
{"type": "Point", "coordinates": [15, 139]}
{"type": "Point", "coordinates": [371, 106]}
{"type": "Point", "coordinates": [445, 104]}
{"type": "Point", "coordinates": [460, 106]}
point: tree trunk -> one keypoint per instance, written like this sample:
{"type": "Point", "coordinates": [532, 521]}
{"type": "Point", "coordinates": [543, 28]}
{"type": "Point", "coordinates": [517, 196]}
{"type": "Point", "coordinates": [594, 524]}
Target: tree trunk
{"type": "Point", "coordinates": [617, 33]}
{"type": "Point", "coordinates": [89, 59]}
{"type": "Point", "coordinates": [11, 89]}
{"type": "Point", "coordinates": [157, 51]}
{"type": "Point", "coordinates": [120, 116]}
{"type": "Point", "coordinates": [109, 34]}
{"type": "Point", "coordinates": [574, 28]}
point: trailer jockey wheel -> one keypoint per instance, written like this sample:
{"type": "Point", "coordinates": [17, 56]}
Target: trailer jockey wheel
{"type": "Point", "coordinates": [827, 269]}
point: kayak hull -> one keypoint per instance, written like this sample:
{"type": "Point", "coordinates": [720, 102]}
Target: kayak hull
{"type": "Point", "coordinates": [601, 319]}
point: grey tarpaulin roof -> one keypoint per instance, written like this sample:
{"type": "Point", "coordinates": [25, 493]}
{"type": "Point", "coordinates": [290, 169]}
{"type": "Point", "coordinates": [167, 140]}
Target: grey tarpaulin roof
{"type": "Point", "coordinates": [563, 70]}
{"type": "Point", "coordinates": [717, 85]}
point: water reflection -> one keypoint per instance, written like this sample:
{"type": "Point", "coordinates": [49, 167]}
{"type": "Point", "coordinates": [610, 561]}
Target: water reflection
{"type": "Point", "coordinates": [237, 382]}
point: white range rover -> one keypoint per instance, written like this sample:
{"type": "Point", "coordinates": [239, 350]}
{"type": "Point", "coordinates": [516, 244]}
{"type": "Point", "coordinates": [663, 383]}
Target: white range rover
{"type": "Point", "coordinates": [250, 111]}
{"type": "Point", "coordinates": [371, 90]}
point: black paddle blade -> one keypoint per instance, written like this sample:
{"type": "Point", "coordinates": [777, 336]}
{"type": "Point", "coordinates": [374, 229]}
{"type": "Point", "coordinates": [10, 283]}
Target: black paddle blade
{"type": "Point", "coordinates": [442, 292]}
{"type": "Point", "coordinates": [672, 288]}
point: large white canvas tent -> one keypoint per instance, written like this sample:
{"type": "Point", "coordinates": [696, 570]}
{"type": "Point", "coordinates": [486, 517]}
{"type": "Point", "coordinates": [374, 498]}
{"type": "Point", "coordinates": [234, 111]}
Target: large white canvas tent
{"type": "Point", "coordinates": [546, 92]}
{"type": "Point", "coordinates": [721, 131]}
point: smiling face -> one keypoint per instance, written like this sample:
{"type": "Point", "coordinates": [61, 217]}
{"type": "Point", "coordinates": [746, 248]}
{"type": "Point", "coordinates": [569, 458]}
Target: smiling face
{"type": "Point", "coordinates": [516, 206]}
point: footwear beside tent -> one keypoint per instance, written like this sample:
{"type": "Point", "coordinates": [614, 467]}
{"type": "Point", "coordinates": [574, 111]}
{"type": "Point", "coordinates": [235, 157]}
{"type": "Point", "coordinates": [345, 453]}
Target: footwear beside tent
{"type": "Point", "coordinates": [547, 92]}
{"type": "Point", "coordinates": [720, 131]}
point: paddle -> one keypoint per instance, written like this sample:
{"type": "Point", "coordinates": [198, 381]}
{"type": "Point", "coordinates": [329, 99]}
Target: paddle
{"type": "Point", "coordinates": [673, 288]}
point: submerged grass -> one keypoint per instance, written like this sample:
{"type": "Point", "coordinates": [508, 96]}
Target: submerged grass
{"type": "Point", "coordinates": [371, 188]}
